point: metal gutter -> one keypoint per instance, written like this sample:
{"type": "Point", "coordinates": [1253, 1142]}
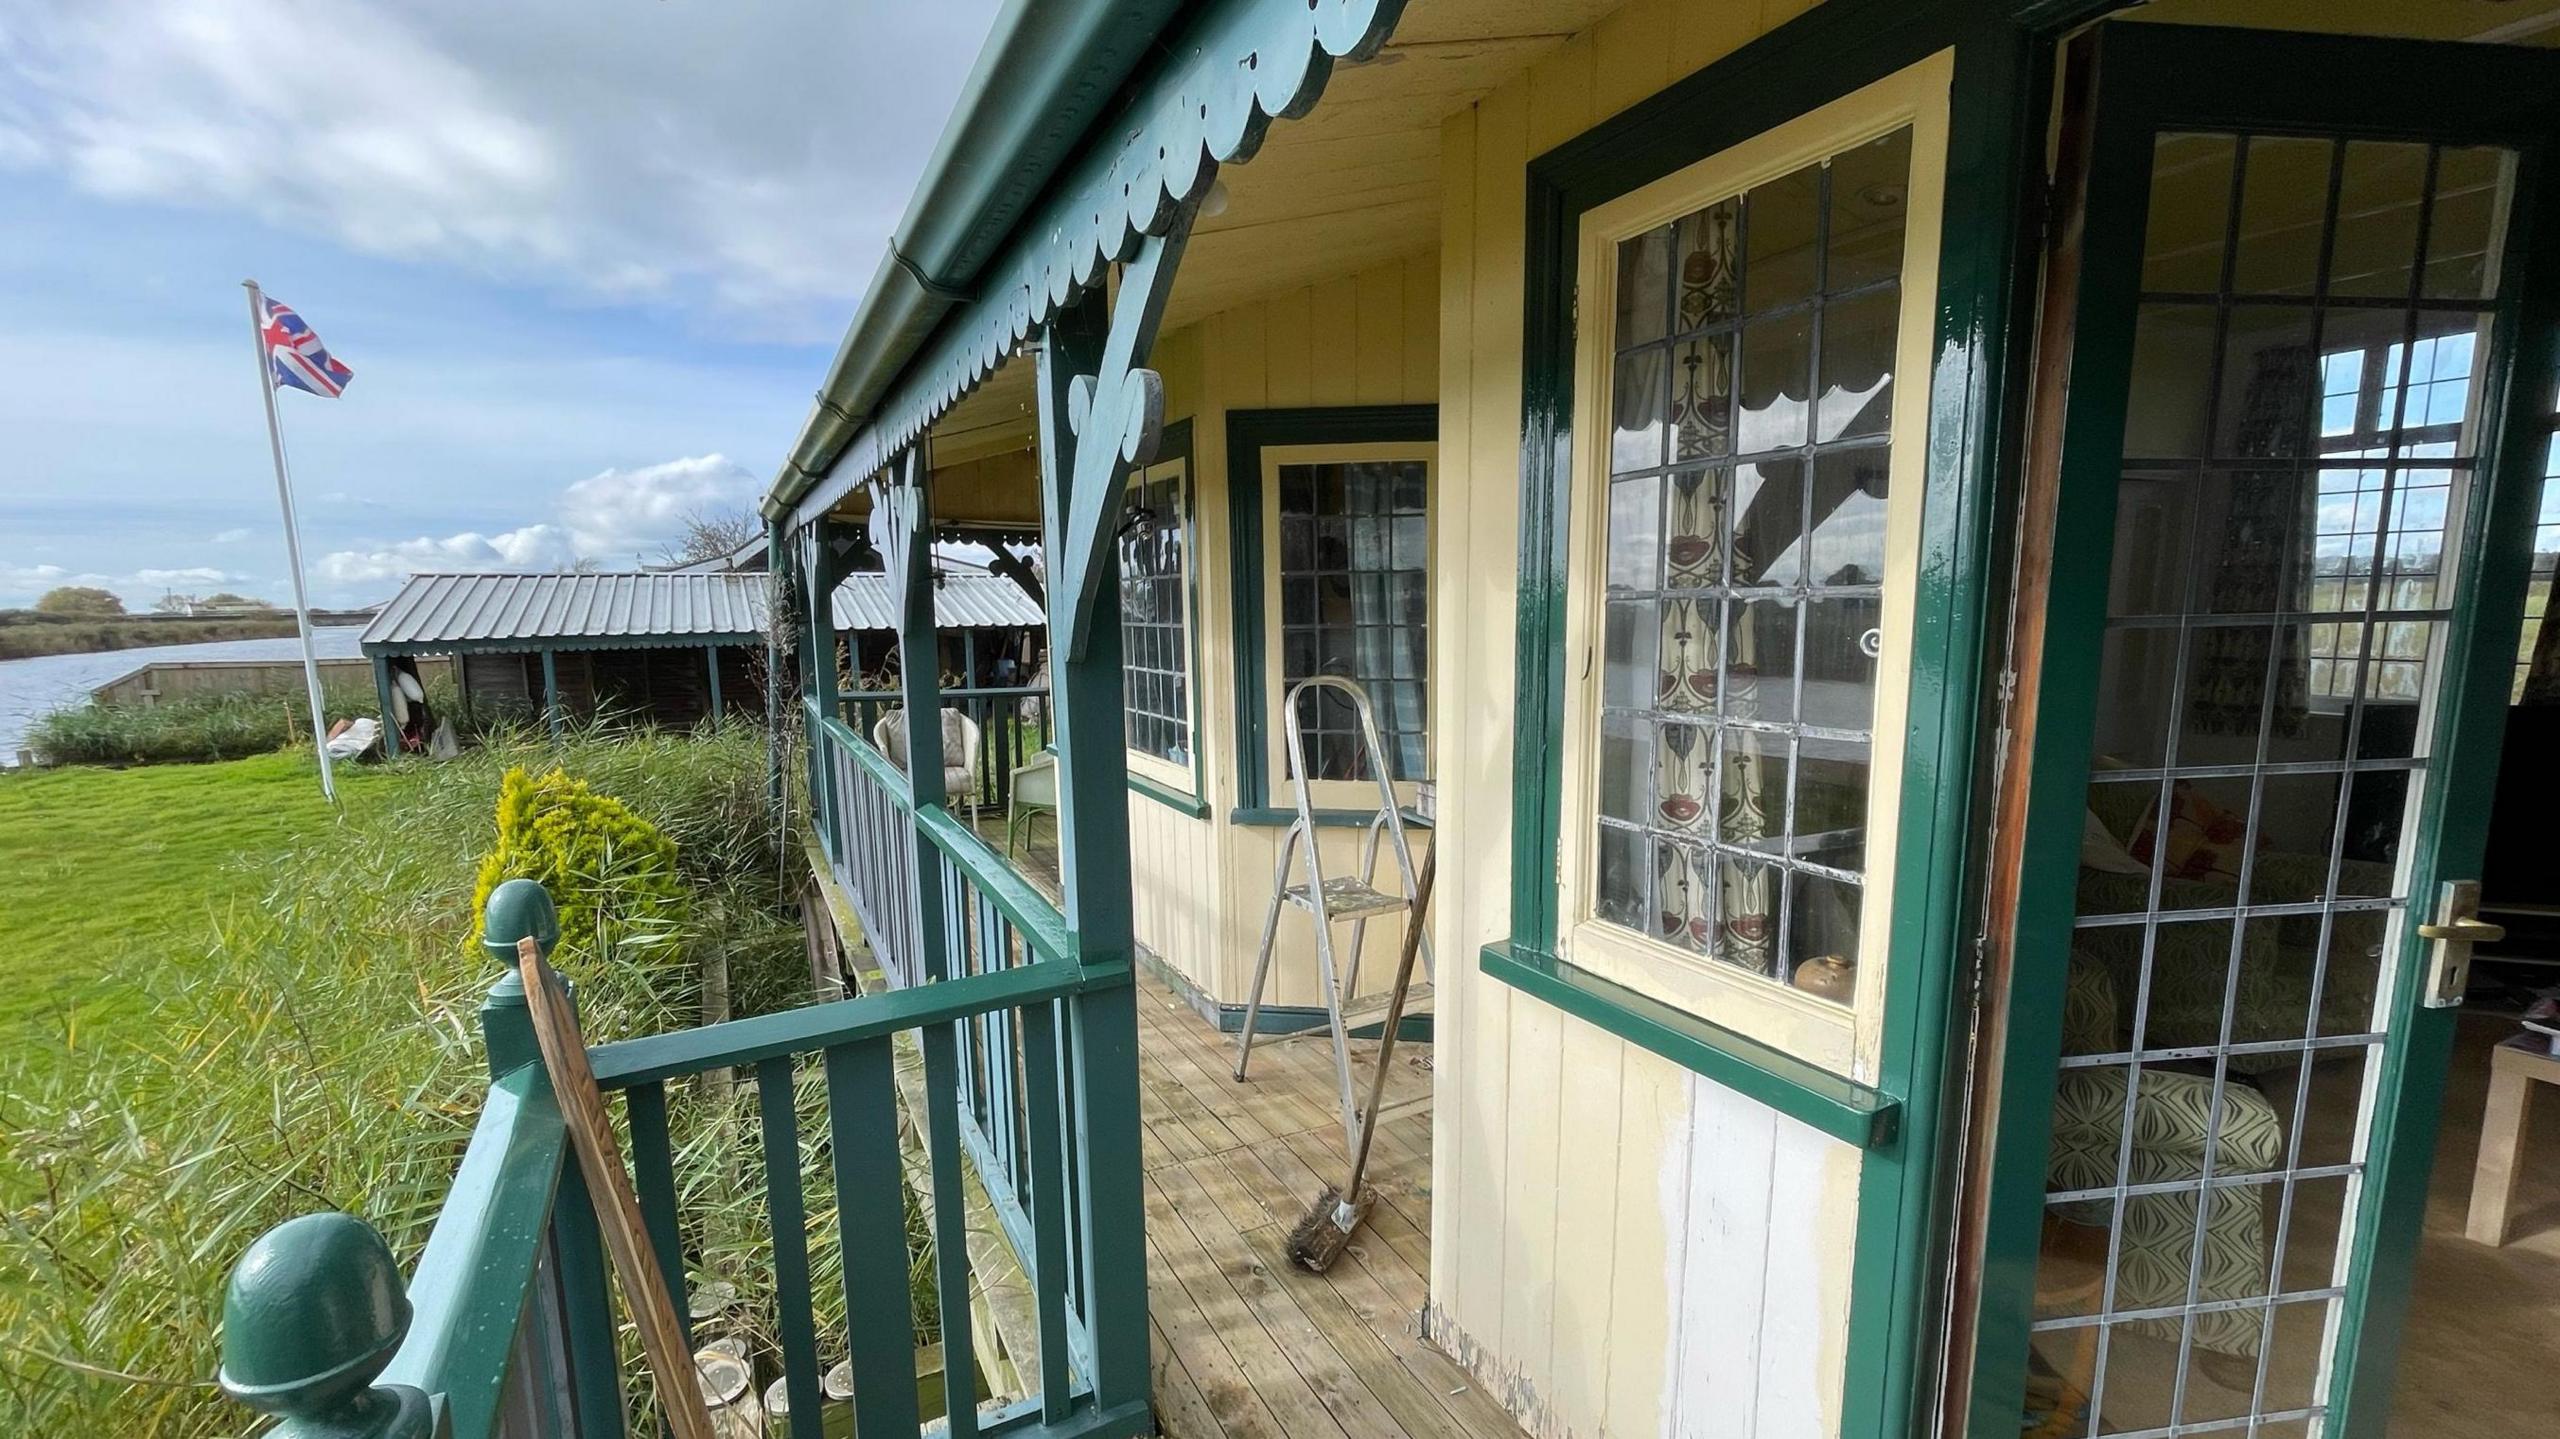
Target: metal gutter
{"type": "Point", "coordinates": [1048, 70]}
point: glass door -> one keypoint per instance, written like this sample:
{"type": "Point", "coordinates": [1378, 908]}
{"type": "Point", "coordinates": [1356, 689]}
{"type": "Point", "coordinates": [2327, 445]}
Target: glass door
{"type": "Point", "coordinates": [2280, 607]}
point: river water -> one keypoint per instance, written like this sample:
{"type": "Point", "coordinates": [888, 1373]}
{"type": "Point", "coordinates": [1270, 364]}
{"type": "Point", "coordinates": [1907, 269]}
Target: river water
{"type": "Point", "coordinates": [33, 687]}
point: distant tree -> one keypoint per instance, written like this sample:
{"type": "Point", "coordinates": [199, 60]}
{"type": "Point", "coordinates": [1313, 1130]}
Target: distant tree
{"type": "Point", "coordinates": [82, 601]}
{"type": "Point", "coordinates": [709, 534]}
{"type": "Point", "coordinates": [226, 600]}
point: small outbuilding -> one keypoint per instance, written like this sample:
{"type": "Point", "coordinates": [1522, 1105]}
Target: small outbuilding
{"type": "Point", "coordinates": [669, 648]}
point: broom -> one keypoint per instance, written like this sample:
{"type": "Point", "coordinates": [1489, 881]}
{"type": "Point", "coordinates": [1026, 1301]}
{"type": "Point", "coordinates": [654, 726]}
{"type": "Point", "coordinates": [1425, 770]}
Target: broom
{"type": "Point", "coordinates": [1321, 1237]}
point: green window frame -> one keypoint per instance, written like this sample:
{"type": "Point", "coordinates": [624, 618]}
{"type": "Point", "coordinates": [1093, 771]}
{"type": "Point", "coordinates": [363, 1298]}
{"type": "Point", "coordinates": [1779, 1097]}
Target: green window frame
{"type": "Point", "coordinates": [1988, 253]}
{"type": "Point", "coordinates": [1251, 435]}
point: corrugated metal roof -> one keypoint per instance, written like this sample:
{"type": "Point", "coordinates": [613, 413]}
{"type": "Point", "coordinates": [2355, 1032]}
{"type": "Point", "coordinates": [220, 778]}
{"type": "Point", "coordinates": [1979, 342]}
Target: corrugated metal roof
{"type": "Point", "coordinates": [598, 609]}
{"type": "Point", "coordinates": [960, 602]}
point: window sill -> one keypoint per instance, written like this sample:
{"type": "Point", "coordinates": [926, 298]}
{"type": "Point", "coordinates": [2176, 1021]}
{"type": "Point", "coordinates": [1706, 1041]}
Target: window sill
{"type": "Point", "coordinates": [1841, 1108]}
{"type": "Point", "coordinates": [1170, 798]}
{"type": "Point", "coordinates": [1264, 816]}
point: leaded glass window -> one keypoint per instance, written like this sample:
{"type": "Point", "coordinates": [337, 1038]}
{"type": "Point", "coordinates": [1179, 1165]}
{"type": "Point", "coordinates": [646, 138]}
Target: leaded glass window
{"type": "Point", "coordinates": [1155, 615]}
{"type": "Point", "coordinates": [1750, 408]}
{"type": "Point", "coordinates": [1355, 600]}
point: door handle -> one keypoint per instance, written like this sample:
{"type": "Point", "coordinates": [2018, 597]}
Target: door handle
{"type": "Point", "coordinates": [2466, 931]}
{"type": "Point", "coordinates": [2457, 927]}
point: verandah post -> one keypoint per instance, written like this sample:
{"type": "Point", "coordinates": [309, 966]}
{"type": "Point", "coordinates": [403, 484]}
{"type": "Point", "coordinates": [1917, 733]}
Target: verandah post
{"type": "Point", "coordinates": [1093, 862]}
{"type": "Point", "coordinates": [777, 567]}
{"type": "Point", "coordinates": [551, 691]}
{"type": "Point", "coordinates": [902, 522]}
{"type": "Point", "coordinates": [381, 697]}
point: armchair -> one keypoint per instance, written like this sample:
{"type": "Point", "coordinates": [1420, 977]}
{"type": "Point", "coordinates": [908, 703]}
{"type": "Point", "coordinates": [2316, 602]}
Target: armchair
{"type": "Point", "coordinates": [959, 750]}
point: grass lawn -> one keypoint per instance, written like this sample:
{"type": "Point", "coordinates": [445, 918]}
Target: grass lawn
{"type": "Point", "coordinates": [103, 865]}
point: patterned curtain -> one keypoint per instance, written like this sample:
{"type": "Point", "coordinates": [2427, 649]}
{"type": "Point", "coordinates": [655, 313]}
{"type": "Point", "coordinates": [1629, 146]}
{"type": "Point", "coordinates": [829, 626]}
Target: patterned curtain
{"type": "Point", "coordinates": [2270, 521]}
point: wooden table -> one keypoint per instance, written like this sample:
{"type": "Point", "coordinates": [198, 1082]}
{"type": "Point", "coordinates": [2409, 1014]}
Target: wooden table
{"type": "Point", "coordinates": [2514, 1066]}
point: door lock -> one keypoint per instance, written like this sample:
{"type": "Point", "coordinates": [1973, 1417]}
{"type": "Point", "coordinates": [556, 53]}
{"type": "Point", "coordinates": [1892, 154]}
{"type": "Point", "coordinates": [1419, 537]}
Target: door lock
{"type": "Point", "coordinates": [2457, 927]}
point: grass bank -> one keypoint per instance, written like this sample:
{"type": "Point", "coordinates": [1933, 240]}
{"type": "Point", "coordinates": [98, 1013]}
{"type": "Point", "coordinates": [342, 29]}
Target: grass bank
{"type": "Point", "coordinates": [25, 634]}
{"type": "Point", "coordinates": [253, 1008]}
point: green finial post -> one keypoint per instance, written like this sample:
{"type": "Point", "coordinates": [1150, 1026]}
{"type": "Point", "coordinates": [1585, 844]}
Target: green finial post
{"type": "Point", "coordinates": [517, 909]}
{"type": "Point", "coordinates": [312, 1315]}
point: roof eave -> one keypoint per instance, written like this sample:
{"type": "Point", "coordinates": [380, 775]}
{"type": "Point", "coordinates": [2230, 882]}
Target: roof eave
{"type": "Point", "coordinates": [1049, 70]}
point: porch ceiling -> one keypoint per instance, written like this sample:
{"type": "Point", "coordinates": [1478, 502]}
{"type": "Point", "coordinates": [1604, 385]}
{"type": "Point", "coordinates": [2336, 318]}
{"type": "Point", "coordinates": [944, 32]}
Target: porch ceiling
{"type": "Point", "coordinates": [1355, 182]}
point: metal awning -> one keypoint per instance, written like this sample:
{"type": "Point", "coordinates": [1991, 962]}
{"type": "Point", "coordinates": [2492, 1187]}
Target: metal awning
{"type": "Point", "coordinates": [569, 611]}
{"type": "Point", "coordinates": [868, 601]}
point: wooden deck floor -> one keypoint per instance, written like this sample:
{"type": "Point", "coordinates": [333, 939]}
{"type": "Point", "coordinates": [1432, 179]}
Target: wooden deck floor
{"type": "Point", "coordinates": [1245, 1343]}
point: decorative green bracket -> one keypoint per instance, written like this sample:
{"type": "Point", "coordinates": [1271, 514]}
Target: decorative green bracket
{"type": "Point", "coordinates": [1116, 413]}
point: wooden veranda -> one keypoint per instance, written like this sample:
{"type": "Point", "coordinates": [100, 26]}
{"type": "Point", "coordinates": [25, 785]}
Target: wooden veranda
{"type": "Point", "coordinates": [1242, 1342]}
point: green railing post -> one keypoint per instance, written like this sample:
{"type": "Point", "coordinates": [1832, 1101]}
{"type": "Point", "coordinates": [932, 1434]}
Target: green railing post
{"type": "Point", "coordinates": [1093, 858]}
{"type": "Point", "coordinates": [902, 523]}
{"type": "Point", "coordinates": [312, 1315]}
{"type": "Point", "coordinates": [520, 909]}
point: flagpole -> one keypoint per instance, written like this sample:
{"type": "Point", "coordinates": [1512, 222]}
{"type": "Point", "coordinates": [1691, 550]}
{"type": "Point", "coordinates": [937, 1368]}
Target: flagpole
{"type": "Point", "coordinates": [293, 543]}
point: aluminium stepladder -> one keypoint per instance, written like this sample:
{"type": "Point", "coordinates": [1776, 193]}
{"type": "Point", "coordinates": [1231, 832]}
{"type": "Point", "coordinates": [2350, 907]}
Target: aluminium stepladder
{"type": "Point", "coordinates": [1356, 898]}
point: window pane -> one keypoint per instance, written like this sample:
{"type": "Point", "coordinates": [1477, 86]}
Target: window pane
{"type": "Point", "coordinates": [1639, 399]}
{"type": "Point", "coordinates": [1709, 266]}
{"type": "Point", "coordinates": [1155, 598]}
{"type": "Point", "coordinates": [1644, 287]}
{"type": "Point", "coordinates": [1856, 396]}
{"type": "Point", "coordinates": [1355, 602]}
{"type": "Point", "coordinates": [1781, 219]}
{"type": "Point", "coordinates": [1868, 191]}
{"type": "Point", "coordinates": [1742, 601]}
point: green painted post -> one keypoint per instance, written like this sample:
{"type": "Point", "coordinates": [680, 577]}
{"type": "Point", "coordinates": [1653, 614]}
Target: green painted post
{"type": "Point", "coordinates": [777, 564]}
{"type": "Point", "coordinates": [313, 1314]}
{"type": "Point", "coordinates": [551, 692]}
{"type": "Point", "coordinates": [903, 520]}
{"type": "Point", "coordinates": [520, 909]}
{"type": "Point", "coordinates": [1093, 859]}
{"type": "Point", "coordinates": [711, 669]}
{"type": "Point", "coordinates": [382, 698]}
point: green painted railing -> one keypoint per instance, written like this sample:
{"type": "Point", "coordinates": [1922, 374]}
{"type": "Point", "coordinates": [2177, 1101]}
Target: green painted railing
{"type": "Point", "coordinates": [506, 1329]}
{"type": "Point", "coordinates": [992, 923]}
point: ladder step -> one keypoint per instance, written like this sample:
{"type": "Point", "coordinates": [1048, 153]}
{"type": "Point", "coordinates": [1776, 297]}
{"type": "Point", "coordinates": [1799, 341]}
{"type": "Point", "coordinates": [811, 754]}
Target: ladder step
{"type": "Point", "coordinates": [1368, 1009]}
{"type": "Point", "coordinates": [1348, 898]}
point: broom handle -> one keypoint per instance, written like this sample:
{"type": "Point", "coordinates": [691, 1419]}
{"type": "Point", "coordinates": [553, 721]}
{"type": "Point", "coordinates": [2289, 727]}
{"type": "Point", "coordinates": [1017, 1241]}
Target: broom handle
{"type": "Point", "coordinates": [1395, 1019]}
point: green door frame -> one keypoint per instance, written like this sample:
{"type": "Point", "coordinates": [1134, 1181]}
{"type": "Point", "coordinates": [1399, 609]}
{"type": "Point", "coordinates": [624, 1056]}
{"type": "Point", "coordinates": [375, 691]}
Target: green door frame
{"type": "Point", "coordinates": [1985, 283]}
{"type": "Point", "coordinates": [2155, 78]}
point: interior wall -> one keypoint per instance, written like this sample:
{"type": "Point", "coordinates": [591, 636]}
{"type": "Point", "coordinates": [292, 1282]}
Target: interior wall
{"type": "Point", "coordinates": [1368, 338]}
{"type": "Point", "coordinates": [1619, 1247]}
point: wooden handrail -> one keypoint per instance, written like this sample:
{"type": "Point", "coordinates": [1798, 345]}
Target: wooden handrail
{"type": "Point", "coordinates": [745, 1042]}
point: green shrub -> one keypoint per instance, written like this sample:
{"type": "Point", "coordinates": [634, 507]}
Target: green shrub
{"type": "Point", "coordinates": [611, 873]}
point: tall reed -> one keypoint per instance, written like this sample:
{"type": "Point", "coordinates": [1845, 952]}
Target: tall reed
{"type": "Point", "coordinates": [317, 1048]}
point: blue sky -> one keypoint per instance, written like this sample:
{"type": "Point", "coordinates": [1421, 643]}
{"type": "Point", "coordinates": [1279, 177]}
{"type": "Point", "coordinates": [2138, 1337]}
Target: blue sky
{"type": "Point", "coordinates": [588, 261]}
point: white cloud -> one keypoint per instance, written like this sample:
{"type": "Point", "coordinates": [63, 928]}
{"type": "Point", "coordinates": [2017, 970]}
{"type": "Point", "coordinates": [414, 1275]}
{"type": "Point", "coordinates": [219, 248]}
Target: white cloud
{"type": "Point", "coordinates": [739, 164]}
{"type": "Point", "coordinates": [613, 518]}
{"type": "Point", "coordinates": [239, 535]}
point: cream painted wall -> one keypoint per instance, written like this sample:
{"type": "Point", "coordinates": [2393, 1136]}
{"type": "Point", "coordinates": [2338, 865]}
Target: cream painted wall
{"type": "Point", "coordinates": [1201, 885]}
{"type": "Point", "coordinates": [1618, 1247]}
